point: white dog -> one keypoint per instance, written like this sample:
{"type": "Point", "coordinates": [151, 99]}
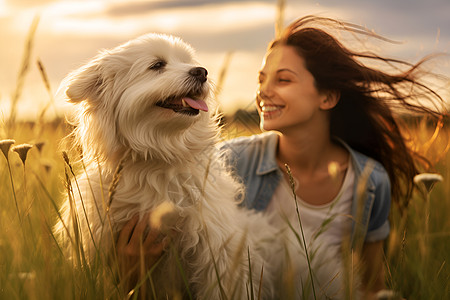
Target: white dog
{"type": "Point", "coordinates": [146, 106]}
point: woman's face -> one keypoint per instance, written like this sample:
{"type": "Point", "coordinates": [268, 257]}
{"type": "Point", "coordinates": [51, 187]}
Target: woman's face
{"type": "Point", "coordinates": [287, 96]}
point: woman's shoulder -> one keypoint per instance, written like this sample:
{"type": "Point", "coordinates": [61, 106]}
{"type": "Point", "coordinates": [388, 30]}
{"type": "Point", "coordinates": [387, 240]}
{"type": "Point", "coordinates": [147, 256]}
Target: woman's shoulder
{"type": "Point", "coordinates": [367, 165]}
{"type": "Point", "coordinates": [251, 143]}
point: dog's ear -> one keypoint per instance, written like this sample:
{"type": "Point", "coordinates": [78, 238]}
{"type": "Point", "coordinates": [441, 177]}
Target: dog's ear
{"type": "Point", "coordinates": [85, 83]}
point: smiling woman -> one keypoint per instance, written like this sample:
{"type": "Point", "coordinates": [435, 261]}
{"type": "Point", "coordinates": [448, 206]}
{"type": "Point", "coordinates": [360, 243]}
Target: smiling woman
{"type": "Point", "coordinates": [326, 111]}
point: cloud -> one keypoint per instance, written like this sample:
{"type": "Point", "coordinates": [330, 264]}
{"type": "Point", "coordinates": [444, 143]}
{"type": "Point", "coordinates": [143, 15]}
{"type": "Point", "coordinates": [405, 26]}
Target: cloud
{"type": "Point", "coordinates": [133, 8]}
{"type": "Point", "coordinates": [398, 18]}
{"type": "Point", "coordinates": [27, 3]}
{"type": "Point", "coordinates": [71, 32]}
{"type": "Point", "coordinates": [93, 18]}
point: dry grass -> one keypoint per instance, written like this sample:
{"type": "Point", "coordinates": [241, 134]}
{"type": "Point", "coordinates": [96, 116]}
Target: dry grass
{"type": "Point", "coordinates": [32, 265]}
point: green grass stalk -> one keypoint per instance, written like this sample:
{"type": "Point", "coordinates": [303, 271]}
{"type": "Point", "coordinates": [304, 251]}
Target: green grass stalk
{"type": "Point", "coordinates": [279, 20]}
{"type": "Point", "coordinates": [14, 191]}
{"type": "Point", "coordinates": [69, 165]}
{"type": "Point", "coordinates": [22, 74]}
{"type": "Point", "coordinates": [252, 294]}
{"type": "Point", "coordinates": [291, 181]}
{"type": "Point", "coordinates": [183, 274]}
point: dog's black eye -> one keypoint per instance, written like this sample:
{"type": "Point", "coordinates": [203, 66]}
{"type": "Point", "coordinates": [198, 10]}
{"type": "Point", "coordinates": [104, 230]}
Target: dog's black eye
{"type": "Point", "coordinates": [158, 65]}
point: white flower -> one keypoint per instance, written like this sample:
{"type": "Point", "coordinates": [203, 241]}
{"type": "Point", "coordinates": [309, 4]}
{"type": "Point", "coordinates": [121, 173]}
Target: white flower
{"type": "Point", "coordinates": [386, 295]}
{"type": "Point", "coordinates": [39, 146]}
{"type": "Point", "coordinates": [427, 180]}
{"type": "Point", "coordinates": [22, 150]}
{"type": "Point", "coordinates": [27, 275]}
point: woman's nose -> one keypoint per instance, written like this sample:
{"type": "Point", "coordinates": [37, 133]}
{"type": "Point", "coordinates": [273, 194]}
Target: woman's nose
{"type": "Point", "coordinates": [265, 90]}
{"type": "Point", "coordinates": [262, 98]}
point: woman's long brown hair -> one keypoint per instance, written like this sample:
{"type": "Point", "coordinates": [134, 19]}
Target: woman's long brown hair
{"type": "Point", "coordinates": [364, 116]}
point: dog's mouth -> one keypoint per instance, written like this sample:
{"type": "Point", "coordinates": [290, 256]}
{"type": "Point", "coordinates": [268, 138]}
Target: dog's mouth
{"type": "Point", "coordinates": [184, 105]}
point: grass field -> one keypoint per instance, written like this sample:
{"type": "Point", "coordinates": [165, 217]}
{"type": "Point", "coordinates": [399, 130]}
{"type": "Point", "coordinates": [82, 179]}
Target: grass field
{"type": "Point", "coordinates": [33, 267]}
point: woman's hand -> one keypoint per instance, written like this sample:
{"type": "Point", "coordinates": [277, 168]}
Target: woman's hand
{"type": "Point", "coordinates": [138, 248]}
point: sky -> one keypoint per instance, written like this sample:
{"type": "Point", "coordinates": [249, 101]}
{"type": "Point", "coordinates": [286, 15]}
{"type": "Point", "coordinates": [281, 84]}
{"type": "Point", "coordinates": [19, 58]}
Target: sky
{"type": "Point", "coordinates": [71, 32]}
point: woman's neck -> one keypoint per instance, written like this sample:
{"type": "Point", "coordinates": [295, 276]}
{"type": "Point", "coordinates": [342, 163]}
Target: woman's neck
{"type": "Point", "coordinates": [307, 152]}
{"type": "Point", "coordinates": [308, 148]}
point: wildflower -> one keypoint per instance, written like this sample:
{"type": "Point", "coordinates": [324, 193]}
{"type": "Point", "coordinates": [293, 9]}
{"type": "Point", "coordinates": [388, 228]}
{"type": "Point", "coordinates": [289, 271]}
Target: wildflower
{"type": "Point", "coordinates": [27, 275]}
{"type": "Point", "coordinates": [22, 150]}
{"type": "Point", "coordinates": [39, 146]}
{"type": "Point", "coordinates": [386, 294]}
{"type": "Point", "coordinates": [5, 145]}
{"type": "Point", "coordinates": [427, 180]}
{"type": "Point", "coordinates": [47, 167]}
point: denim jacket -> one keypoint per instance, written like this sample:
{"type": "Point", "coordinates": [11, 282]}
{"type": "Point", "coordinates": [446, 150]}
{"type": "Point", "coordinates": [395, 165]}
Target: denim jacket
{"type": "Point", "coordinates": [253, 160]}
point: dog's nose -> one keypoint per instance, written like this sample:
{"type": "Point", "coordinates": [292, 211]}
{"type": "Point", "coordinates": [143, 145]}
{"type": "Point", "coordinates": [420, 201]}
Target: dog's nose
{"type": "Point", "coordinates": [200, 73]}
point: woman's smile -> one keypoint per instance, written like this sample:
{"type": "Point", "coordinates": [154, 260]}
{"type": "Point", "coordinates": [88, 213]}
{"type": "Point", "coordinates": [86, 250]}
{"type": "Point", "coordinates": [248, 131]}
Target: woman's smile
{"type": "Point", "coordinates": [270, 111]}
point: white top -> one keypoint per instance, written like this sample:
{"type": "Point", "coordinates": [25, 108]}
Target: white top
{"type": "Point", "coordinates": [325, 227]}
{"type": "Point", "coordinates": [313, 216]}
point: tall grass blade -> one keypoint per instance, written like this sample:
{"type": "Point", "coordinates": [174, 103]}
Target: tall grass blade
{"type": "Point", "coordinates": [291, 180]}
{"type": "Point", "coordinates": [183, 275]}
{"type": "Point", "coordinates": [116, 178]}
{"type": "Point", "coordinates": [76, 241]}
{"type": "Point", "coordinates": [69, 165]}
{"type": "Point", "coordinates": [252, 294]}
{"type": "Point", "coordinates": [260, 283]}
{"type": "Point", "coordinates": [41, 118]}
{"type": "Point", "coordinates": [145, 278]}
{"type": "Point", "coordinates": [14, 192]}
{"type": "Point", "coordinates": [222, 75]}
{"type": "Point", "coordinates": [279, 22]}
{"type": "Point", "coordinates": [25, 66]}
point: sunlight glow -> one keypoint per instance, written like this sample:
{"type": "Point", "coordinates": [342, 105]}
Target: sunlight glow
{"type": "Point", "coordinates": [4, 9]}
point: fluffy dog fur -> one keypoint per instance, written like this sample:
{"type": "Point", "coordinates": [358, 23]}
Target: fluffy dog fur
{"type": "Point", "coordinates": [128, 110]}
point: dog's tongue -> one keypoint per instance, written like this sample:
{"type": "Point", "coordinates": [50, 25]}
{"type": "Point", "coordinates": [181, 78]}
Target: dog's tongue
{"type": "Point", "coordinates": [197, 104]}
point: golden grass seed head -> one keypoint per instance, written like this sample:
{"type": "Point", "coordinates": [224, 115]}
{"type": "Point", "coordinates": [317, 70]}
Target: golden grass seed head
{"type": "Point", "coordinates": [5, 145]}
{"type": "Point", "coordinates": [291, 178]}
{"type": "Point", "coordinates": [22, 150]}
{"type": "Point", "coordinates": [66, 157]}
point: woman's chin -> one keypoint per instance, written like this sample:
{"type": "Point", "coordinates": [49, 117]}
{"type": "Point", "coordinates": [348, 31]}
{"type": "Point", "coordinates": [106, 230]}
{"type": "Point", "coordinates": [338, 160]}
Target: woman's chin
{"type": "Point", "coordinates": [266, 125]}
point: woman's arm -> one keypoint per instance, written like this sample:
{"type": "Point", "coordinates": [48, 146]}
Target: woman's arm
{"type": "Point", "coordinates": [373, 277]}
